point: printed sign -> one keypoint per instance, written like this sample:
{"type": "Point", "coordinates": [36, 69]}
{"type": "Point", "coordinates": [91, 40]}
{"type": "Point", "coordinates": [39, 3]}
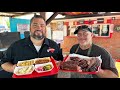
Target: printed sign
{"type": "Point", "coordinates": [100, 20]}
{"type": "Point", "coordinates": [22, 28]}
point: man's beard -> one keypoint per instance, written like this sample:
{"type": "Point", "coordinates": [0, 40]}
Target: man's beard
{"type": "Point", "coordinates": [39, 36]}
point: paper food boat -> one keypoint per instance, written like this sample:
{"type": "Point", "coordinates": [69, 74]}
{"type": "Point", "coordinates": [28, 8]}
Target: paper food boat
{"type": "Point", "coordinates": [24, 70]}
{"type": "Point", "coordinates": [46, 67]}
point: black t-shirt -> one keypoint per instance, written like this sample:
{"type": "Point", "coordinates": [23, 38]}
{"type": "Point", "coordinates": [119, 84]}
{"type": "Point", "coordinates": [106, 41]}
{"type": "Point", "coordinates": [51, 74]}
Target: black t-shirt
{"type": "Point", "coordinates": [25, 50]}
{"type": "Point", "coordinates": [107, 61]}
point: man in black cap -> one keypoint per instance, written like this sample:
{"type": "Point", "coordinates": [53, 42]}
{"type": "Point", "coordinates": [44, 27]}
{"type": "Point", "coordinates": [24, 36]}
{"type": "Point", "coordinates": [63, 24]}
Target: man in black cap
{"type": "Point", "coordinates": [86, 47]}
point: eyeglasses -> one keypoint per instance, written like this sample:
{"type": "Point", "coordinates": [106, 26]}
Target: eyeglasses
{"type": "Point", "coordinates": [84, 34]}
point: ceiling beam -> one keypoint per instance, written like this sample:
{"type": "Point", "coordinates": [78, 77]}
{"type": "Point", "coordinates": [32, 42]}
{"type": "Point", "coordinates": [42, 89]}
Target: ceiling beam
{"type": "Point", "coordinates": [6, 15]}
{"type": "Point", "coordinates": [88, 15]}
{"type": "Point", "coordinates": [52, 17]}
{"type": "Point", "coordinates": [14, 12]}
{"type": "Point", "coordinates": [26, 13]}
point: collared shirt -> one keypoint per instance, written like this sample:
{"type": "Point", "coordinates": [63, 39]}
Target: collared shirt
{"type": "Point", "coordinates": [25, 50]}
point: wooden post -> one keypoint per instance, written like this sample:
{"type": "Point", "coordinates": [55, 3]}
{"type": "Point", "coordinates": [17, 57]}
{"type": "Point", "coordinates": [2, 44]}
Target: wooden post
{"type": "Point", "coordinates": [43, 14]}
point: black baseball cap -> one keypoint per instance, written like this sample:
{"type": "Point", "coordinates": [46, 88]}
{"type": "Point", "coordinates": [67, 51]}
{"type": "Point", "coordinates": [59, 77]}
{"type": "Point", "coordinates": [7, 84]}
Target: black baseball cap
{"type": "Point", "coordinates": [83, 27]}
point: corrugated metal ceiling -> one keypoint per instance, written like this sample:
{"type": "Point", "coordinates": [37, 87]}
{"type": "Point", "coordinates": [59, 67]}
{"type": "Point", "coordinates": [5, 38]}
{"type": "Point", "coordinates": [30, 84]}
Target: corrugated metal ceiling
{"type": "Point", "coordinates": [69, 14]}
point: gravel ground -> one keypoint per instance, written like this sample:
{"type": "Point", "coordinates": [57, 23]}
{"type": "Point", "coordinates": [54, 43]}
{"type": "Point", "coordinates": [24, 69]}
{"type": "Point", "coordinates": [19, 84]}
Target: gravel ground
{"type": "Point", "coordinates": [63, 74]}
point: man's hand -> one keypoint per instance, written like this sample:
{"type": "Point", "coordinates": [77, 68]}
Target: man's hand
{"type": "Point", "coordinates": [106, 74]}
{"type": "Point", "coordinates": [13, 67]}
{"type": "Point", "coordinates": [9, 67]}
{"type": "Point", "coordinates": [58, 63]}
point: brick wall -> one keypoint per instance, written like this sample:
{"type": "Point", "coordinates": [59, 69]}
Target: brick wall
{"type": "Point", "coordinates": [112, 45]}
{"type": "Point", "coordinates": [68, 43]}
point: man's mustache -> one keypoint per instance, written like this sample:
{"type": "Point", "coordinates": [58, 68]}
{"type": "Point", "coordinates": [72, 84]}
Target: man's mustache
{"type": "Point", "coordinates": [38, 30]}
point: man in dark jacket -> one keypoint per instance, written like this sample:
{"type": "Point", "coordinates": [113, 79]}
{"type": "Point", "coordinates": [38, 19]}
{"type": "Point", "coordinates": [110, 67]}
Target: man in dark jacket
{"type": "Point", "coordinates": [35, 46]}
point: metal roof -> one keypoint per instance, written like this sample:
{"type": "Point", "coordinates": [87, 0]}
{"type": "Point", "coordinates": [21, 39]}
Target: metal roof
{"type": "Point", "coordinates": [67, 14]}
{"type": "Point", "coordinates": [14, 14]}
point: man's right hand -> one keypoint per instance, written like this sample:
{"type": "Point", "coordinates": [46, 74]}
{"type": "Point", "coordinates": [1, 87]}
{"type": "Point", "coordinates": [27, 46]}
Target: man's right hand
{"type": "Point", "coordinates": [13, 67]}
{"type": "Point", "coordinates": [9, 67]}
